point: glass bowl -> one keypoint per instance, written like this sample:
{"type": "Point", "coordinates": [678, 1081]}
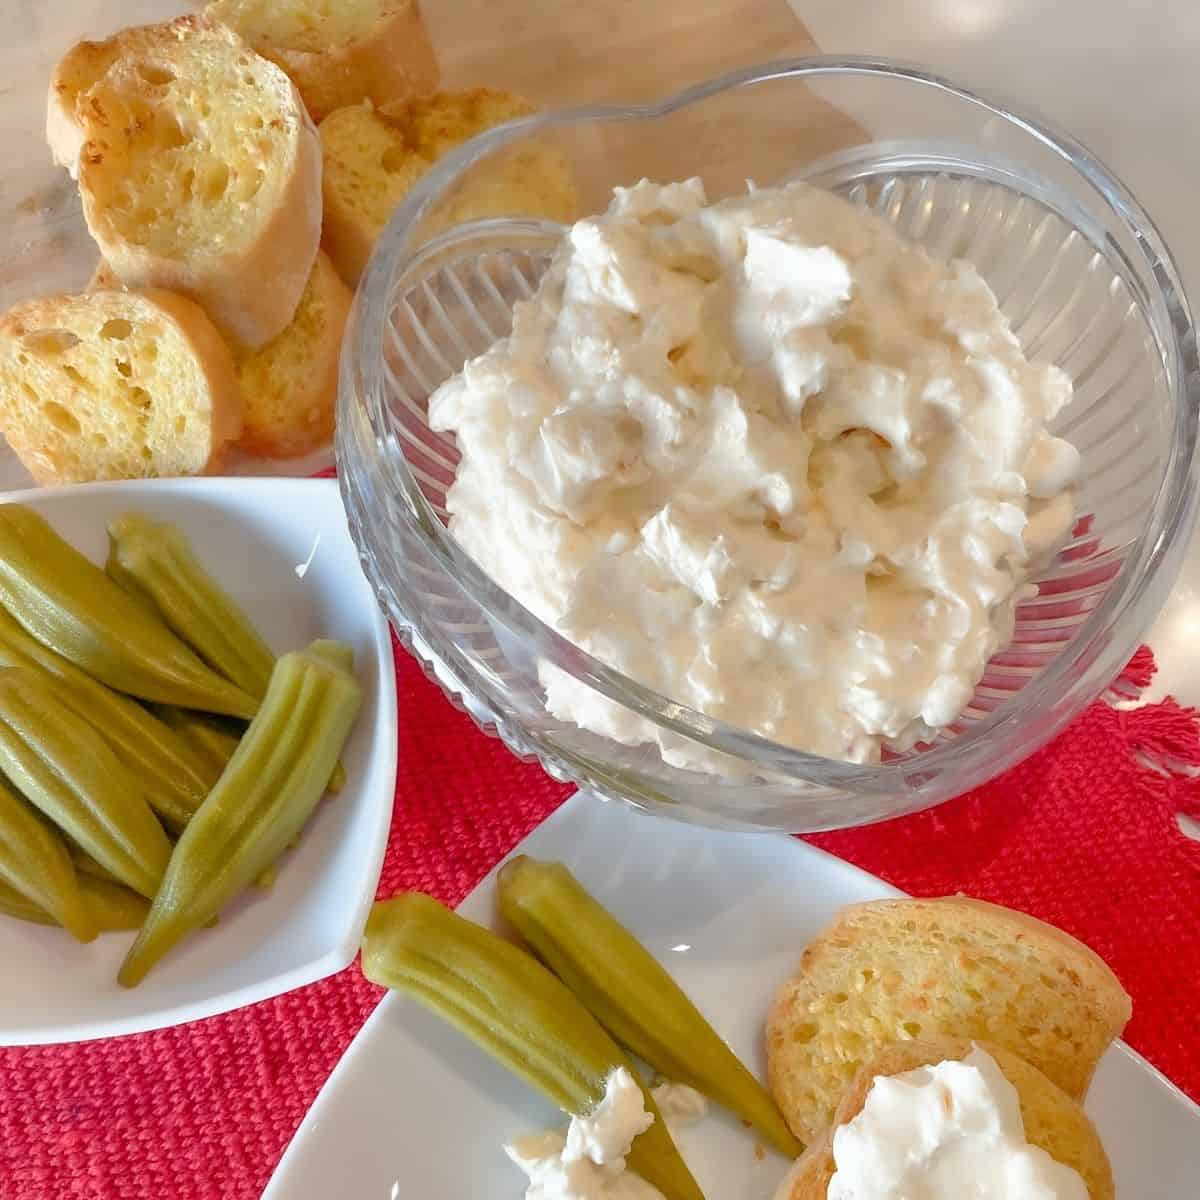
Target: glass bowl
{"type": "Point", "coordinates": [1078, 267]}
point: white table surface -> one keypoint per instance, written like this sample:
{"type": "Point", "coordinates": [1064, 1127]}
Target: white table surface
{"type": "Point", "coordinates": [1122, 76]}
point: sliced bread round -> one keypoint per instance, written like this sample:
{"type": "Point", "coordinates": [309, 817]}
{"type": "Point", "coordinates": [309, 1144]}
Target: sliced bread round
{"type": "Point", "coordinates": [200, 172]}
{"type": "Point", "coordinates": [115, 385]}
{"type": "Point", "coordinates": [289, 387]}
{"type": "Point", "coordinates": [373, 157]}
{"type": "Point", "coordinates": [897, 970]}
{"type": "Point", "coordinates": [339, 54]}
{"type": "Point", "coordinates": [1053, 1121]}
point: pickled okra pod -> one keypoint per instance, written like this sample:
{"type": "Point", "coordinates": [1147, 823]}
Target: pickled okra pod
{"type": "Point", "coordinates": [154, 560]}
{"type": "Point", "coordinates": [629, 992]}
{"type": "Point", "coordinates": [112, 907]}
{"type": "Point", "coordinates": [36, 865]}
{"type": "Point", "coordinates": [513, 1008]}
{"type": "Point", "coordinates": [213, 739]}
{"type": "Point", "coordinates": [68, 604]}
{"type": "Point", "coordinates": [265, 795]}
{"type": "Point", "coordinates": [69, 772]}
{"type": "Point", "coordinates": [174, 776]}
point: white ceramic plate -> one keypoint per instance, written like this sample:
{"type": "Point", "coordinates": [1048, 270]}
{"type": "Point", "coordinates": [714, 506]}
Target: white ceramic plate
{"type": "Point", "coordinates": [281, 548]}
{"type": "Point", "coordinates": [414, 1110]}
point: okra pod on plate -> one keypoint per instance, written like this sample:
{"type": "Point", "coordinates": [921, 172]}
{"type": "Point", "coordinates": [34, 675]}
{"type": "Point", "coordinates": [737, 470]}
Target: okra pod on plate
{"type": "Point", "coordinates": [174, 776]}
{"type": "Point", "coordinates": [69, 772]}
{"type": "Point", "coordinates": [36, 865]}
{"type": "Point", "coordinates": [67, 603]}
{"type": "Point", "coordinates": [513, 1008]}
{"type": "Point", "coordinates": [629, 992]}
{"type": "Point", "coordinates": [266, 793]}
{"type": "Point", "coordinates": [112, 907]}
{"type": "Point", "coordinates": [154, 560]}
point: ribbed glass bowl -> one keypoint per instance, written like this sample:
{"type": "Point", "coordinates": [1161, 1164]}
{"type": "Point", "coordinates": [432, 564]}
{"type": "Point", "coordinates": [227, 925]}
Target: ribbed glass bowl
{"type": "Point", "coordinates": [1078, 267]}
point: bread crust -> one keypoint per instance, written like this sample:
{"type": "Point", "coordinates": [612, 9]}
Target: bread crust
{"type": "Point", "coordinates": [809, 1176]}
{"type": "Point", "coordinates": [393, 61]}
{"type": "Point", "coordinates": [85, 61]}
{"type": "Point", "coordinates": [250, 294]}
{"type": "Point", "coordinates": [211, 355]}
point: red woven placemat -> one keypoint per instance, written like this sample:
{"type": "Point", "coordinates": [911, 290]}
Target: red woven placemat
{"type": "Point", "coordinates": [1082, 834]}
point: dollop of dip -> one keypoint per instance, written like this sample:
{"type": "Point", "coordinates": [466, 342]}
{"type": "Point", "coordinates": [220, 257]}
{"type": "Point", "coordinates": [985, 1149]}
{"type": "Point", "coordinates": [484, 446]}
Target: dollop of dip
{"type": "Point", "coordinates": [588, 1162]}
{"type": "Point", "coordinates": [767, 458]}
{"type": "Point", "coordinates": [943, 1133]}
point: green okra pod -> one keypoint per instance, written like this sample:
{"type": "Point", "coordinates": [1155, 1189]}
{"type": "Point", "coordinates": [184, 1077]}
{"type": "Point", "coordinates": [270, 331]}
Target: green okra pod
{"type": "Point", "coordinates": [213, 739]}
{"type": "Point", "coordinates": [112, 907]}
{"type": "Point", "coordinates": [69, 772]}
{"type": "Point", "coordinates": [16, 904]}
{"type": "Point", "coordinates": [68, 604]}
{"type": "Point", "coordinates": [513, 1008]}
{"type": "Point", "coordinates": [174, 776]}
{"type": "Point", "coordinates": [629, 992]}
{"type": "Point", "coordinates": [36, 865]}
{"type": "Point", "coordinates": [155, 560]}
{"type": "Point", "coordinates": [86, 867]}
{"type": "Point", "coordinates": [266, 793]}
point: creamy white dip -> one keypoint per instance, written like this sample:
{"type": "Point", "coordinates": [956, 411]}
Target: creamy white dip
{"type": "Point", "coordinates": [767, 458]}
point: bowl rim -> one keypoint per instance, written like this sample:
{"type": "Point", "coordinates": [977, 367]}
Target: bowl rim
{"type": "Point", "coordinates": [1160, 543]}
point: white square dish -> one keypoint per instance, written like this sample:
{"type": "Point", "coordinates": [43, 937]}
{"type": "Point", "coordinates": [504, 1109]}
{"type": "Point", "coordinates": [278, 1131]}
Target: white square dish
{"type": "Point", "coordinates": [415, 1110]}
{"type": "Point", "coordinates": [281, 548]}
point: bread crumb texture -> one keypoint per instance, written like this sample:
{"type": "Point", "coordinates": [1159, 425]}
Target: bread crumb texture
{"type": "Point", "coordinates": [114, 385]}
{"type": "Point", "coordinates": [188, 141]}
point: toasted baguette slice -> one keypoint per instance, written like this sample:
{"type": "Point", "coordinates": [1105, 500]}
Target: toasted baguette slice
{"type": "Point", "coordinates": [201, 173]}
{"type": "Point", "coordinates": [1053, 1120]}
{"type": "Point", "coordinates": [115, 385]}
{"type": "Point", "coordinates": [374, 157]}
{"type": "Point", "coordinates": [896, 970]}
{"type": "Point", "coordinates": [339, 54]}
{"type": "Point", "coordinates": [290, 386]}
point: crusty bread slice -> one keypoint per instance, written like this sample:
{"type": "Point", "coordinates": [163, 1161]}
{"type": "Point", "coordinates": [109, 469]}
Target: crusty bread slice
{"type": "Point", "coordinates": [339, 53]}
{"type": "Point", "coordinates": [1053, 1120]}
{"type": "Point", "coordinates": [373, 157]}
{"type": "Point", "coordinates": [896, 970]}
{"type": "Point", "coordinates": [290, 386]}
{"type": "Point", "coordinates": [115, 385]}
{"type": "Point", "coordinates": [200, 172]}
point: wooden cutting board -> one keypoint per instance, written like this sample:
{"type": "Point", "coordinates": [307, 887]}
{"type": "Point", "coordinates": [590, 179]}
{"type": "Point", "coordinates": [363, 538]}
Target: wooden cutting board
{"type": "Point", "coordinates": [560, 52]}
{"type": "Point", "coordinates": [587, 52]}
